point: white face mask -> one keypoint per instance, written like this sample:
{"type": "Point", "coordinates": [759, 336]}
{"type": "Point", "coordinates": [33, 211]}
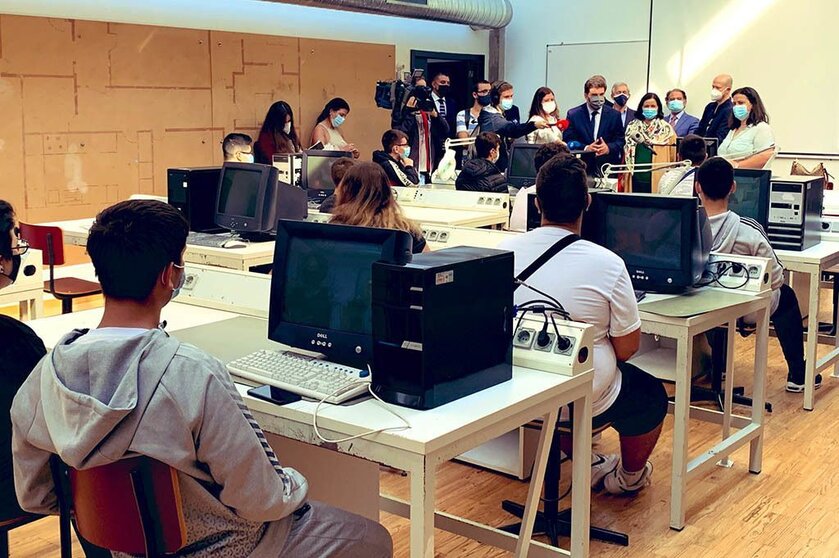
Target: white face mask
{"type": "Point", "coordinates": [549, 107]}
{"type": "Point", "coordinates": [716, 94]}
{"type": "Point", "coordinates": [287, 128]}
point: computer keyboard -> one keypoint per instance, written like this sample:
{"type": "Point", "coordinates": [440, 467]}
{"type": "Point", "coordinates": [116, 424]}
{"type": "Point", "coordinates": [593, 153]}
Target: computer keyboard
{"type": "Point", "coordinates": [305, 376]}
{"type": "Point", "coordinates": [208, 239]}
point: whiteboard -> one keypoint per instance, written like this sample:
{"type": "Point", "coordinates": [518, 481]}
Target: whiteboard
{"type": "Point", "coordinates": [569, 65]}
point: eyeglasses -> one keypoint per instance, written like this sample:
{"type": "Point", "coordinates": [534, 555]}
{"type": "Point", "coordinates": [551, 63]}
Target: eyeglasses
{"type": "Point", "coordinates": [402, 144]}
{"type": "Point", "coordinates": [484, 92]}
{"type": "Point", "coordinates": [21, 248]}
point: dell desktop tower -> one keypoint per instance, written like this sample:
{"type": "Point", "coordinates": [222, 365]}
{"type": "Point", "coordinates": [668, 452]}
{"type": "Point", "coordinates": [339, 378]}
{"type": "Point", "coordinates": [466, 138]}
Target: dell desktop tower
{"type": "Point", "coordinates": [442, 326]}
{"type": "Point", "coordinates": [193, 192]}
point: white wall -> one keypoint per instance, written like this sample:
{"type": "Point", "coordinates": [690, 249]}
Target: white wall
{"type": "Point", "coordinates": [268, 18]}
{"type": "Point", "coordinates": [538, 23]}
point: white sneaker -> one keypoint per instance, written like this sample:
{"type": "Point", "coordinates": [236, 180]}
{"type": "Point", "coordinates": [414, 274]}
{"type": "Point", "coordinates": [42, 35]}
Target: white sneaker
{"type": "Point", "coordinates": [614, 482]}
{"type": "Point", "coordinates": [602, 465]}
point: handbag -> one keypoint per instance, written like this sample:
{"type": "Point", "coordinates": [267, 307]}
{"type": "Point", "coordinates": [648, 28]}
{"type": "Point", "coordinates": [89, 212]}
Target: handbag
{"type": "Point", "coordinates": [800, 170]}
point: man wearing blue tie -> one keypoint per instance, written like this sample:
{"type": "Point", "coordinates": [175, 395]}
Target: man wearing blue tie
{"type": "Point", "coordinates": [593, 126]}
{"type": "Point", "coordinates": [682, 122]}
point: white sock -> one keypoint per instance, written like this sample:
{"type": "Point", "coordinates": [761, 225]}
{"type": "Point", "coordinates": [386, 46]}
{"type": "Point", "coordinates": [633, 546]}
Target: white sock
{"type": "Point", "coordinates": [631, 477]}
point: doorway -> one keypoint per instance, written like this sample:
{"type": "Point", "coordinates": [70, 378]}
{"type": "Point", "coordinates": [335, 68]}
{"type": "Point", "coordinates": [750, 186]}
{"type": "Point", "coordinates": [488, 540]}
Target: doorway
{"type": "Point", "coordinates": [464, 70]}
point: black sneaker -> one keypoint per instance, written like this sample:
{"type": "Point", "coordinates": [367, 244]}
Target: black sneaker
{"type": "Point", "coordinates": [795, 385]}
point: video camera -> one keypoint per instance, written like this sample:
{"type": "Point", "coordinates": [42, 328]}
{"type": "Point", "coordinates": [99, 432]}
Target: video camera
{"type": "Point", "coordinates": [393, 95]}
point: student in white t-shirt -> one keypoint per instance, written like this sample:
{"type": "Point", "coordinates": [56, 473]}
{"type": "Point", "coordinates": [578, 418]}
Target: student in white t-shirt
{"type": "Point", "coordinates": [679, 182]}
{"type": "Point", "coordinates": [518, 217]}
{"type": "Point", "coordinates": [594, 287]}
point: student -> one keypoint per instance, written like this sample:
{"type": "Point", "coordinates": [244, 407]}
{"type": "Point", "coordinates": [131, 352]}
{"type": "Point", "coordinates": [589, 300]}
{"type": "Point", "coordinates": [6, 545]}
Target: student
{"type": "Point", "coordinates": [593, 285]}
{"type": "Point", "coordinates": [338, 170]}
{"type": "Point", "coordinates": [328, 127]}
{"type": "Point", "coordinates": [480, 174]}
{"type": "Point", "coordinates": [518, 217]}
{"type": "Point", "coordinates": [683, 123]}
{"type": "Point", "coordinates": [467, 119]}
{"type": "Point", "coordinates": [734, 234]}
{"type": "Point", "coordinates": [364, 198]}
{"type": "Point", "coordinates": [278, 134]}
{"type": "Point", "coordinates": [544, 108]}
{"type": "Point", "coordinates": [750, 142]}
{"type": "Point", "coordinates": [237, 148]}
{"type": "Point", "coordinates": [493, 118]}
{"type": "Point", "coordinates": [395, 159]}
{"type": "Point", "coordinates": [594, 126]}
{"type": "Point", "coordinates": [127, 387]}
{"type": "Point", "coordinates": [715, 117]}
{"type": "Point", "coordinates": [679, 182]}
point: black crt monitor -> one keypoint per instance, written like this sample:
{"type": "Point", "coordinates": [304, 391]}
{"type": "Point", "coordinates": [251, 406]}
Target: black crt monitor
{"type": "Point", "coordinates": [588, 157]}
{"type": "Point", "coordinates": [664, 241]}
{"type": "Point", "coordinates": [317, 172]}
{"type": "Point", "coordinates": [711, 145]}
{"type": "Point", "coordinates": [247, 198]}
{"type": "Point", "coordinates": [321, 286]}
{"type": "Point", "coordinates": [751, 197]}
{"type": "Point", "coordinates": [521, 168]}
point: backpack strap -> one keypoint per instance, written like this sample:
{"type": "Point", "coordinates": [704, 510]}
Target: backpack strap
{"type": "Point", "coordinates": [558, 247]}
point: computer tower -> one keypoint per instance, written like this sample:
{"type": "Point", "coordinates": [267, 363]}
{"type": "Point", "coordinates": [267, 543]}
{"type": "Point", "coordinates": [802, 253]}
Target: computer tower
{"type": "Point", "coordinates": [795, 210]}
{"type": "Point", "coordinates": [193, 191]}
{"type": "Point", "coordinates": [434, 340]}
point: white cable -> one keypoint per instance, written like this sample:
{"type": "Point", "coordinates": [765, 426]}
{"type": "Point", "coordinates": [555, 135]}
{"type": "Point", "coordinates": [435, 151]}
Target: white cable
{"type": "Point", "coordinates": [376, 397]}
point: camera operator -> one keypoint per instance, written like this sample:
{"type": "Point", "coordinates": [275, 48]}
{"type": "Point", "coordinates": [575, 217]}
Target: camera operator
{"type": "Point", "coordinates": [425, 128]}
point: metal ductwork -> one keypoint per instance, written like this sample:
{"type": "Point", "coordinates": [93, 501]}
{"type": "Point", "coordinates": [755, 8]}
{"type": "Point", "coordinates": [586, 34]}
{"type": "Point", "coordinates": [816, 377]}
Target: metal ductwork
{"type": "Point", "coordinates": [481, 14]}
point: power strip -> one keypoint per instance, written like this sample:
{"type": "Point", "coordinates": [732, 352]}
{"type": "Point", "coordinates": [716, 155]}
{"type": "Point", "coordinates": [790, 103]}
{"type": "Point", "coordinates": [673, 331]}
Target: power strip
{"type": "Point", "coordinates": [757, 269]}
{"type": "Point", "coordinates": [451, 199]}
{"type": "Point", "coordinates": [443, 236]}
{"type": "Point", "coordinates": [567, 350]}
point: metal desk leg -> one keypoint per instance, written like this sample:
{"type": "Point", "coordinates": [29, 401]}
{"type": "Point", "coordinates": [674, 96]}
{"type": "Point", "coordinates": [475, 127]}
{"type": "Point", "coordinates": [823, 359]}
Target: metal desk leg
{"type": "Point", "coordinates": [811, 346]}
{"type": "Point", "coordinates": [423, 480]}
{"type": "Point", "coordinates": [681, 416]}
{"type": "Point", "coordinates": [581, 478]}
{"type": "Point", "coordinates": [731, 331]}
{"type": "Point", "coordinates": [759, 388]}
{"type": "Point", "coordinates": [537, 479]}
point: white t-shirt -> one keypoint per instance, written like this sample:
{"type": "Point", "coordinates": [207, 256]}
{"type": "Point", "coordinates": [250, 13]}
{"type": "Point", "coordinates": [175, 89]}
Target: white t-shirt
{"type": "Point", "coordinates": [754, 139]}
{"type": "Point", "coordinates": [677, 182]}
{"type": "Point", "coordinates": [593, 286]}
{"type": "Point", "coordinates": [518, 218]}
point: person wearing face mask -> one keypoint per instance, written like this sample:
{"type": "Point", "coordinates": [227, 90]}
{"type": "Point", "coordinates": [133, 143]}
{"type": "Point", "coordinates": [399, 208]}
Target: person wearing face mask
{"type": "Point", "coordinates": [750, 142]}
{"type": "Point", "coordinates": [593, 126]}
{"type": "Point", "coordinates": [683, 123]}
{"type": "Point", "coordinates": [493, 119]}
{"type": "Point", "coordinates": [466, 121]}
{"type": "Point", "coordinates": [544, 109]}
{"type": "Point", "coordinates": [395, 159]}
{"type": "Point", "coordinates": [620, 96]}
{"type": "Point", "coordinates": [277, 134]}
{"type": "Point", "coordinates": [426, 129]}
{"type": "Point", "coordinates": [20, 351]}
{"type": "Point", "coordinates": [714, 121]}
{"type": "Point", "coordinates": [649, 139]}
{"type": "Point", "coordinates": [481, 173]}
{"type": "Point", "coordinates": [237, 148]}
{"type": "Point", "coordinates": [328, 127]}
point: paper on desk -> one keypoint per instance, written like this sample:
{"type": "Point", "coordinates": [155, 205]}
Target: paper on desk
{"type": "Point", "coordinates": [694, 303]}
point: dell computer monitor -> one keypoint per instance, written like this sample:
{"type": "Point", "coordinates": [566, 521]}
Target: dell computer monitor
{"type": "Point", "coordinates": [321, 286]}
{"type": "Point", "coordinates": [521, 168]}
{"type": "Point", "coordinates": [664, 241]}
{"type": "Point", "coordinates": [246, 201]}
{"type": "Point", "coordinates": [317, 172]}
{"type": "Point", "coordinates": [751, 197]}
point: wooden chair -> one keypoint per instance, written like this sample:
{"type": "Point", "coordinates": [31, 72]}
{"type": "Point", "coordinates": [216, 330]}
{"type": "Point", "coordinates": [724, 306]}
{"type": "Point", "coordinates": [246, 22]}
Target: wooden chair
{"type": "Point", "coordinates": [50, 240]}
{"type": "Point", "coordinates": [100, 500]}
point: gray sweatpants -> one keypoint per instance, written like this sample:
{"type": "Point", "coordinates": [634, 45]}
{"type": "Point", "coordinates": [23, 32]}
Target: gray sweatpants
{"type": "Point", "coordinates": [326, 531]}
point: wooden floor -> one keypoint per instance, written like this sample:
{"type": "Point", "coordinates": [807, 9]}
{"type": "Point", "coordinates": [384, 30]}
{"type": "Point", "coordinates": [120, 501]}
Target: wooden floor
{"type": "Point", "coordinates": [789, 510]}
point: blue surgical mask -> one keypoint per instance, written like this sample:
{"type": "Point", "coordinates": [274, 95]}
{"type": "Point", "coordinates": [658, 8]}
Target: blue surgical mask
{"type": "Point", "coordinates": [337, 120]}
{"type": "Point", "coordinates": [485, 100]}
{"type": "Point", "coordinates": [649, 113]}
{"type": "Point", "coordinates": [180, 286]}
{"type": "Point", "coordinates": [406, 151]}
{"type": "Point", "coordinates": [506, 104]}
{"type": "Point", "coordinates": [740, 112]}
{"type": "Point", "coordinates": [676, 106]}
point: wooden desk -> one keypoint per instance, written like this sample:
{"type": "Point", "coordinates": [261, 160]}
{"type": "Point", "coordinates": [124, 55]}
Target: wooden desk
{"type": "Point", "coordinates": [813, 262]}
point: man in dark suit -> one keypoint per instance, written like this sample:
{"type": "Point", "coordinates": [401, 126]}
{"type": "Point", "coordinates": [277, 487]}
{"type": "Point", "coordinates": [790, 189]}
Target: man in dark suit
{"type": "Point", "coordinates": [594, 126]}
{"type": "Point", "coordinates": [682, 122]}
{"type": "Point", "coordinates": [714, 122]}
{"type": "Point", "coordinates": [440, 88]}
{"type": "Point", "coordinates": [620, 94]}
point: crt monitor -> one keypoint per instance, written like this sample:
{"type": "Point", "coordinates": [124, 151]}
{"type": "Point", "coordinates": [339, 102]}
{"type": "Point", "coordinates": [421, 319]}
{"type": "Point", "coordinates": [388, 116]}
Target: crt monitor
{"type": "Point", "coordinates": [321, 286]}
{"type": "Point", "coordinates": [246, 200]}
{"type": "Point", "coordinates": [664, 240]}
{"type": "Point", "coordinates": [317, 172]}
{"type": "Point", "coordinates": [711, 145]}
{"type": "Point", "coordinates": [751, 198]}
{"type": "Point", "coordinates": [521, 169]}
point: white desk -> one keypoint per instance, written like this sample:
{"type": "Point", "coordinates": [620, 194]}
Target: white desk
{"type": "Point", "coordinates": [666, 365]}
{"type": "Point", "coordinates": [435, 436]}
{"type": "Point", "coordinates": [813, 262]}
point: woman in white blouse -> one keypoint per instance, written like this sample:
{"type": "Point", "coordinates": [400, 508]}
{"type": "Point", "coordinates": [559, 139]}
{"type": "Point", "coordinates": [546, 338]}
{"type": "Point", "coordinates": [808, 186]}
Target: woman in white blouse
{"type": "Point", "coordinates": [750, 143]}
{"type": "Point", "coordinates": [544, 109]}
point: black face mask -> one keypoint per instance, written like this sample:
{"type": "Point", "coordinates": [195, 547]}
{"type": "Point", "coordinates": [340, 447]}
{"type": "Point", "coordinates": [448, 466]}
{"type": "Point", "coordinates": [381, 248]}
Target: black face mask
{"type": "Point", "coordinates": [443, 90]}
{"type": "Point", "coordinates": [485, 100]}
{"type": "Point", "coordinates": [15, 269]}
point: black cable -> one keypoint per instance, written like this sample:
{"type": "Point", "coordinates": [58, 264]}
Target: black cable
{"type": "Point", "coordinates": [549, 297]}
{"type": "Point", "coordinates": [722, 268]}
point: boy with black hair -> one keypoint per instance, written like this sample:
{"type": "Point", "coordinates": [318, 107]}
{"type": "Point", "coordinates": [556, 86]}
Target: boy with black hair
{"type": "Point", "coordinates": [593, 285]}
{"type": "Point", "coordinates": [734, 234]}
{"type": "Point", "coordinates": [518, 217]}
{"type": "Point", "coordinates": [237, 148]}
{"type": "Point", "coordinates": [480, 174]}
{"type": "Point", "coordinates": [128, 388]}
{"type": "Point", "coordinates": [679, 182]}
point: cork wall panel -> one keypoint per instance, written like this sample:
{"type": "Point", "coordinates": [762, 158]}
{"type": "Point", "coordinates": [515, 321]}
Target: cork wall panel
{"type": "Point", "coordinates": [94, 112]}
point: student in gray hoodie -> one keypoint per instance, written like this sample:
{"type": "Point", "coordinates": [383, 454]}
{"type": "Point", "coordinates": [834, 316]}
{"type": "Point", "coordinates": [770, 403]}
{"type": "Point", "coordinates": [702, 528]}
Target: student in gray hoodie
{"type": "Point", "coordinates": [734, 234]}
{"type": "Point", "coordinates": [128, 388]}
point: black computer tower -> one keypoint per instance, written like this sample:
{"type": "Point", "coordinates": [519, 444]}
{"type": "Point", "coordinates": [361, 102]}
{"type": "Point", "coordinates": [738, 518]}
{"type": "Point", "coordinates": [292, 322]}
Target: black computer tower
{"type": "Point", "coordinates": [442, 326]}
{"type": "Point", "coordinates": [193, 191]}
{"type": "Point", "coordinates": [795, 212]}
